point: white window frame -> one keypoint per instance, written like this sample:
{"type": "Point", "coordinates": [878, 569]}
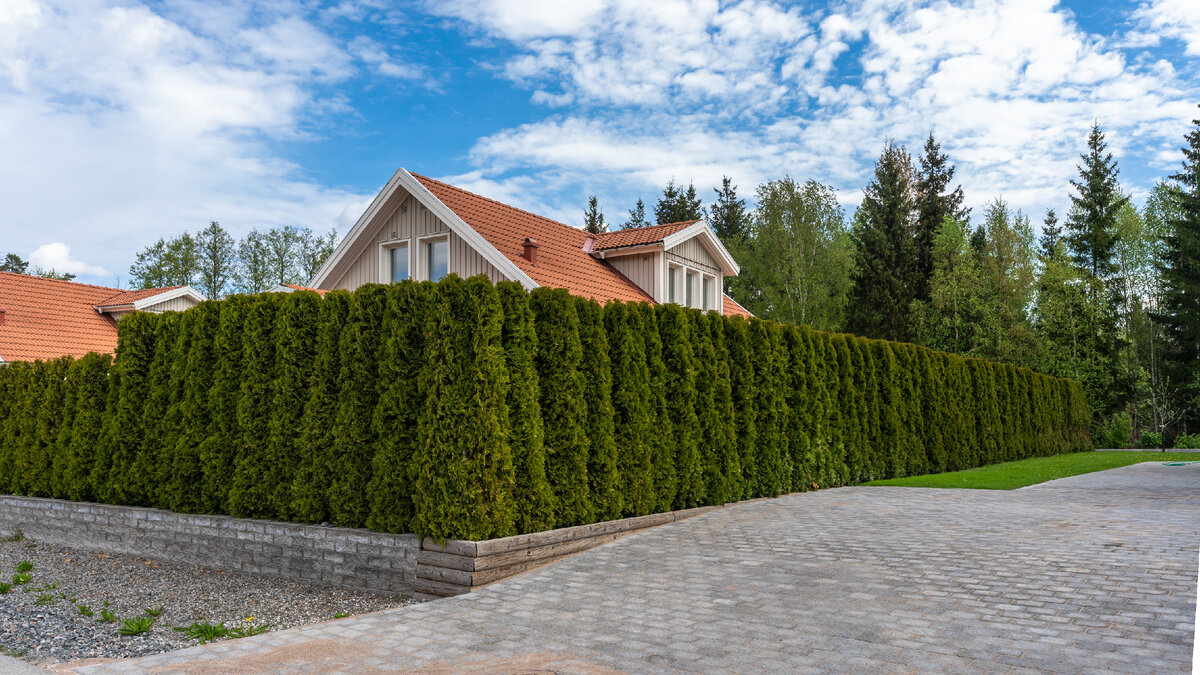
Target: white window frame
{"type": "Point", "coordinates": [707, 292]}
{"type": "Point", "coordinates": [423, 258]}
{"type": "Point", "coordinates": [385, 259]}
{"type": "Point", "coordinates": [673, 293]}
{"type": "Point", "coordinates": [689, 281]}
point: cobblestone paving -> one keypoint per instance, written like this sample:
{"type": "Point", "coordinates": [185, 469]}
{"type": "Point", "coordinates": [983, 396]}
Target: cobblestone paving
{"type": "Point", "coordinates": [1090, 573]}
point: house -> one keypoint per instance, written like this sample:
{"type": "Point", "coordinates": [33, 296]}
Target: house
{"type": "Point", "coordinates": [421, 228]}
{"type": "Point", "coordinates": [46, 318]}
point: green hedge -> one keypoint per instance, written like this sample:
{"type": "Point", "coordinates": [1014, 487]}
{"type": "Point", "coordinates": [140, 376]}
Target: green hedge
{"type": "Point", "coordinates": [470, 410]}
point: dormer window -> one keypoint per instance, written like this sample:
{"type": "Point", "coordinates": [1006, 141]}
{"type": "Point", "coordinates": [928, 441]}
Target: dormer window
{"type": "Point", "coordinates": [400, 262]}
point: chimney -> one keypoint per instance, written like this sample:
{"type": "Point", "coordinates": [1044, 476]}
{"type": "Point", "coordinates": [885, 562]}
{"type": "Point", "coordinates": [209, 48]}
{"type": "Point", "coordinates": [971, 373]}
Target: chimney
{"type": "Point", "coordinates": [1, 316]}
{"type": "Point", "coordinates": [530, 250]}
{"type": "Point", "coordinates": [589, 244]}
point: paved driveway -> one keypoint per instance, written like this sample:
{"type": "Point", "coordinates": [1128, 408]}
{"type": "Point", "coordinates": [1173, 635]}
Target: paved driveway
{"type": "Point", "coordinates": [1086, 573]}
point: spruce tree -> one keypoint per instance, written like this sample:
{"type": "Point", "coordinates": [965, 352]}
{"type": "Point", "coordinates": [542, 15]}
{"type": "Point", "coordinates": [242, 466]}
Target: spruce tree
{"type": "Point", "coordinates": [728, 215]}
{"type": "Point", "coordinates": [935, 202]}
{"type": "Point", "coordinates": [1179, 312]}
{"type": "Point", "coordinates": [252, 490]}
{"type": "Point", "coordinates": [603, 481]}
{"type": "Point", "coordinates": [885, 278]}
{"type": "Point", "coordinates": [637, 217]}
{"type": "Point", "coordinates": [593, 217]}
{"type": "Point", "coordinates": [679, 388]}
{"type": "Point", "coordinates": [314, 475]}
{"type": "Point", "coordinates": [530, 440]}
{"type": "Point", "coordinates": [632, 421]}
{"type": "Point", "coordinates": [677, 204]}
{"type": "Point", "coordinates": [1051, 234]}
{"type": "Point", "coordinates": [463, 465]}
{"type": "Point", "coordinates": [1092, 225]}
{"type": "Point", "coordinates": [401, 399]}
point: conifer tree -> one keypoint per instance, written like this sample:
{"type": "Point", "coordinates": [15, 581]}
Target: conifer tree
{"type": "Point", "coordinates": [679, 388]}
{"type": "Point", "coordinates": [353, 438]}
{"type": "Point", "coordinates": [603, 481]}
{"type": "Point", "coordinates": [662, 446]}
{"type": "Point", "coordinates": [217, 450]}
{"type": "Point", "coordinates": [149, 450]}
{"type": "Point", "coordinates": [181, 487]}
{"type": "Point", "coordinates": [773, 465]}
{"type": "Point", "coordinates": [742, 390]}
{"type": "Point", "coordinates": [1051, 234]}
{"type": "Point", "coordinates": [463, 465]}
{"type": "Point", "coordinates": [799, 405]}
{"type": "Point", "coordinates": [593, 217]}
{"type": "Point", "coordinates": [295, 348]}
{"type": "Point", "coordinates": [1092, 225]}
{"type": "Point", "coordinates": [677, 204]}
{"type": "Point", "coordinates": [631, 408]}
{"type": "Point", "coordinates": [50, 413]}
{"type": "Point", "coordinates": [89, 384]}
{"type": "Point", "coordinates": [401, 399]}
{"type": "Point", "coordinates": [525, 356]}
{"type": "Point", "coordinates": [728, 215]}
{"type": "Point", "coordinates": [112, 479]}
{"type": "Point", "coordinates": [1180, 309]}
{"type": "Point", "coordinates": [314, 476]}
{"type": "Point", "coordinates": [251, 492]}
{"type": "Point", "coordinates": [935, 202]}
{"type": "Point", "coordinates": [714, 402]}
{"type": "Point", "coordinates": [171, 422]}
{"type": "Point", "coordinates": [885, 278]}
{"type": "Point", "coordinates": [637, 217]}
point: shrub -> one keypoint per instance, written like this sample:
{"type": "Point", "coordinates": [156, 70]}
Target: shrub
{"type": "Point", "coordinates": [1117, 433]}
{"type": "Point", "coordinates": [603, 480]}
{"type": "Point", "coordinates": [1150, 439]}
{"type": "Point", "coordinates": [1187, 442]}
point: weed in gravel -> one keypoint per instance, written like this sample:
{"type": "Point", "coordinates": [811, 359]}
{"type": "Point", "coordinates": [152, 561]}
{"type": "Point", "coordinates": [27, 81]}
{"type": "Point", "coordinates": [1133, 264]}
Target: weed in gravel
{"type": "Point", "coordinates": [5, 587]}
{"type": "Point", "coordinates": [136, 626]}
{"type": "Point", "coordinates": [248, 630]}
{"type": "Point", "coordinates": [24, 566]}
{"type": "Point", "coordinates": [341, 615]}
{"type": "Point", "coordinates": [85, 610]}
{"type": "Point", "coordinates": [17, 535]}
{"type": "Point", "coordinates": [204, 631]}
{"type": "Point", "coordinates": [21, 578]}
{"type": "Point", "coordinates": [154, 611]}
{"type": "Point", "coordinates": [107, 616]}
{"type": "Point", "coordinates": [46, 599]}
{"type": "Point", "coordinates": [15, 653]}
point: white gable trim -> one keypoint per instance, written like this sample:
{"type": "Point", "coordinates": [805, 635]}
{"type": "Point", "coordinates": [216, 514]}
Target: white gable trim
{"type": "Point", "coordinates": [180, 292]}
{"type": "Point", "coordinates": [350, 246]}
{"type": "Point", "coordinates": [709, 240]}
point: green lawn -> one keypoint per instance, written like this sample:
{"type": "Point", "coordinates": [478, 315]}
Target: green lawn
{"type": "Point", "coordinates": [1011, 475]}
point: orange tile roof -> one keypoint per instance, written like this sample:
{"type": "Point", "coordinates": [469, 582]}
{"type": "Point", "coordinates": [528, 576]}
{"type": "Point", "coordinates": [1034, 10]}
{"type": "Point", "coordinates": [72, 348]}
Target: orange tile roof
{"type": "Point", "coordinates": [732, 308]}
{"type": "Point", "coordinates": [298, 287]}
{"type": "Point", "coordinates": [48, 318]}
{"type": "Point", "coordinates": [130, 297]}
{"type": "Point", "coordinates": [562, 262]}
{"type": "Point", "coordinates": [638, 236]}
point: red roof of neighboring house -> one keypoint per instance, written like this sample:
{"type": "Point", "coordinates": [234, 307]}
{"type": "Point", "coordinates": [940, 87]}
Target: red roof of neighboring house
{"type": "Point", "coordinates": [48, 318]}
{"type": "Point", "coordinates": [298, 287]}
{"type": "Point", "coordinates": [732, 308]}
{"type": "Point", "coordinates": [638, 236]}
{"type": "Point", "coordinates": [562, 262]}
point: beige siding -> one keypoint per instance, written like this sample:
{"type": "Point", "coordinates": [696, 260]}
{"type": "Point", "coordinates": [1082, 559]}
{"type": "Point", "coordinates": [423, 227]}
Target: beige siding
{"type": "Point", "coordinates": [692, 255]}
{"type": "Point", "coordinates": [409, 221]}
{"type": "Point", "coordinates": [643, 269]}
{"type": "Point", "coordinates": [174, 305]}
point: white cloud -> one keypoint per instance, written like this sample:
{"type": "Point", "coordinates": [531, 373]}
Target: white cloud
{"type": "Point", "coordinates": [56, 256]}
{"type": "Point", "coordinates": [1178, 19]}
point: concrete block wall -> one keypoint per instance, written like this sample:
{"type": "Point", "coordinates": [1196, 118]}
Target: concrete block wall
{"type": "Point", "coordinates": [360, 559]}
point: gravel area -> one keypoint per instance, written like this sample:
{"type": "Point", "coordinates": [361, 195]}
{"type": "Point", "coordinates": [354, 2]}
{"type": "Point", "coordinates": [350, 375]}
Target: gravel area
{"type": "Point", "coordinates": [64, 578]}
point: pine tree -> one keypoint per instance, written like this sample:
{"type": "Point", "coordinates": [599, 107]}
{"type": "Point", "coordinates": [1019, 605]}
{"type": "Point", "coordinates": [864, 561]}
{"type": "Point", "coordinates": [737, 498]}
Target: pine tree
{"type": "Point", "coordinates": [935, 202]}
{"type": "Point", "coordinates": [631, 408]}
{"type": "Point", "coordinates": [530, 440]}
{"type": "Point", "coordinates": [593, 217]}
{"type": "Point", "coordinates": [1180, 309]}
{"type": "Point", "coordinates": [314, 475]}
{"type": "Point", "coordinates": [637, 217]}
{"type": "Point", "coordinates": [679, 388]}
{"type": "Point", "coordinates": [677, 204]}
{"type": "Point", "coordinates": [603, 480]}
{"type": "Point", "coordinates": [885, 277]}
{"type": "Point", "coordinates": [463, 465]}
{"type": "Point", "coordinates": [252, 489]}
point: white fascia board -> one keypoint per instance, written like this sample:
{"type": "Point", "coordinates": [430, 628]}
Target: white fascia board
{"type": "Point", "coordinates": [280, 288]}
{"type": "Point", "coordinates": [169, 295]}
{"type": "Point", "coordinates": [628, 250]}
{"type": "Point", "coordinates": [351, 245]}
{"type": "Point", "coordinates": [711, 241]}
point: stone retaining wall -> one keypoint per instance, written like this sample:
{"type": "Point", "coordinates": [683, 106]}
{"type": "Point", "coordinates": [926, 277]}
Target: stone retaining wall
{"type": "Point", "coordinates": [359, 559]}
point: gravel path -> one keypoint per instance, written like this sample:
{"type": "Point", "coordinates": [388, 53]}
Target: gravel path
{"type": "Point", "coordinates": [63, 578]}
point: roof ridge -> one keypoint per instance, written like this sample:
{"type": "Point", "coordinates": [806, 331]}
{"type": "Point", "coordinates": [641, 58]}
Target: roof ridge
{"type": "Point", "coordinates": [61, 281]}
{"type": "Point", "coordinates": [498, 202]}
{"type": "Point", "coordinates": [120, 292]}
{"type": "Point", "coordinates": [649, 227]}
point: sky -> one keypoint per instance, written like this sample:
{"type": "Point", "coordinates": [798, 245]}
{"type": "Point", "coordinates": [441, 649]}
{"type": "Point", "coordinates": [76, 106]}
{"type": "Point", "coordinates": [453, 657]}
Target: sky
{"type": "Point", "coordinates": [124, 122]}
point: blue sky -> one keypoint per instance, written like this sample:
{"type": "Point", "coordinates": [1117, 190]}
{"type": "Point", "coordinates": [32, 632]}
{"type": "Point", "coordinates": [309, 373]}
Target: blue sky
{"type": "Point", "coordinates": [121, 122]}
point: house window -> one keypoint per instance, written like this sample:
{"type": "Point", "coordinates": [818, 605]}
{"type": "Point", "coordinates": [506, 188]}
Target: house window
{"type": "Point", "coordinates": [672, 273]}
{"type": "Point", "coordinates": [708, 293]}
{"type": "Point", "coordinates": [437, 259]}
{"type": "Point", "coordinates": [691, 282]}
{"type": "Point", "coordinates": [399, 260]}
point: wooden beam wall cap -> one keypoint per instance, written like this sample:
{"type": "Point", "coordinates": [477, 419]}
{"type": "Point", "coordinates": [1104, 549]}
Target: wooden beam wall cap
{"type": "Point", "coordinates": [455, 546]}
{"type": "Point", "coordinates": [447, 576]}
{"type": "Point", "coordinates": [447, 560]}
{"type": "Point", "coordinates": [549, 552]}
{"type": "Point", "coordinates": [524, 541]}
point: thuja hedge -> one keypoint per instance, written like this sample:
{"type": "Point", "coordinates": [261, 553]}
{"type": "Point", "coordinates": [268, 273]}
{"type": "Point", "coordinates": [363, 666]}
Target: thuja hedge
{"type": "Point", "coordinates": [470, 410]}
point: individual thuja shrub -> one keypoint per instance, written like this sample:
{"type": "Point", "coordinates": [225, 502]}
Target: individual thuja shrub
{"type": "Point", "coordinates": [742, 386]}
{"type": "Point", "coordinates": [463, 464]}
{"type": "Point", "coordinates": [662, 446]}
{"type": "Point", "coordinates": [171, 424]}
{"type": "Point", "coordinates": [848, 404]}
{"type": "Point", "coordinates": [353, 439]}
{"type": "Point", "coordinates": [799, 400]}
{"type": "Point", "coordinates": [631, 408]}
{"type": "Point", "coordinates": [51, 400]}
{"type": "Point", "coordinates": [80, 399]}
{"type": "Point", "coordinates": [560, 387]}
{"type": "Point", "coordinates": [314, 474]}
{"type": "Point", "coordinates": [157, 433]}
{"type": "Point", "coordinates": [833, 446]}
{"type": "Point", "coordinates": [217, 449]}
{"type": "Point", "coordinates": [401, 399]}
{"type": "Point", "coordinates": [113, 478]}
{"type": "Point", "coordinates": [183, 477]}
{"type": "Point", "coordinates": [679, 390]}
{"type": "Point", "coordinates": [530, 442]}
{"type": "Point", "coordinates": [604, 483]}
{"type": "Point", "coordinates": [891, 450]}
{"type": "Point", "coordinates": [21, 431]}
{"type": "Point", "coordinates": [714, 403]}
{"type": "Point", "coordinates": [249, 495]}
{"type": "Point", "coordinates": [772, 466]}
